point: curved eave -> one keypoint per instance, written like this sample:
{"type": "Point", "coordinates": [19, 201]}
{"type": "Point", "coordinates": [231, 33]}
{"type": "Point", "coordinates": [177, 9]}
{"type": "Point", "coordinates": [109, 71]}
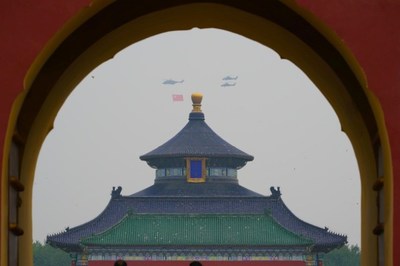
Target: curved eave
{"type": "Point", "coordinates": [196, 154]}
{"type": "Point", "coordinates": [69, 240]}
{"type": "Point", "coordinates": [117, 209]}
{"type": "Point", "coordinates": [216, 161]}
{"type": "Point", "coordinates": [324, 239]}
{"type": "Point", "coordinates": [67, 247]}
{"type": "Point", "coordinates": [196, 139]}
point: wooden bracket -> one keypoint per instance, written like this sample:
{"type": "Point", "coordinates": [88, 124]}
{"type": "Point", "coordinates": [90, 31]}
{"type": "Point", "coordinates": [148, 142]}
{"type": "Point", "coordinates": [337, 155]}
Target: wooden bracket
{"type": "Point", "coordinates": [16, 184]}
{"type": "Point", "coordinates": [379, 229]}
{"type": "Point", "coordinates": [378, 185]}
{"type": "Point", "coordinates": [16, 230]}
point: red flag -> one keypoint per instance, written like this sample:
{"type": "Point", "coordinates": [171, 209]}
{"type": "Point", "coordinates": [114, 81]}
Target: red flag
{"type": "Point", "coordinates": [177, 97]}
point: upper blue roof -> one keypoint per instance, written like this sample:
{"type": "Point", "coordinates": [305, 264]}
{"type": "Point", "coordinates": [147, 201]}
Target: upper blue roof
{"type": "Point", "coordinates": [196, 139]}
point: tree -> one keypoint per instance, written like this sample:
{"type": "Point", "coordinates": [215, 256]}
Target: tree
{"type": "Point", "coordinates": [45, 255]}
{"type": "Point", "coordinates": [344, 256]}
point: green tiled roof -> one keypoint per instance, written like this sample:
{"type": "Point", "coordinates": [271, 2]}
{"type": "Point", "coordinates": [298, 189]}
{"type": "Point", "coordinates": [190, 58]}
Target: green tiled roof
{"type": "Point", "coordinates": [196, 229]}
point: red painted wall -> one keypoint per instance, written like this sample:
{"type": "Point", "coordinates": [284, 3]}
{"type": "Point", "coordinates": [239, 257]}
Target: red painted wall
{"type": "Point", "coordinates": [25, 28]}
{"type": "Point", "coordinates": [371, 29]}
{"type": "Point", "coordinates": [205, 263]}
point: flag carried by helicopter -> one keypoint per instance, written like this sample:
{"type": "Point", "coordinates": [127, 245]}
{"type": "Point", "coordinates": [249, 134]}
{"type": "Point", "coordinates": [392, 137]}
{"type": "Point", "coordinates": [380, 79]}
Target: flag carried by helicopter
{"type": "Point", "coordinates": [177, 97]}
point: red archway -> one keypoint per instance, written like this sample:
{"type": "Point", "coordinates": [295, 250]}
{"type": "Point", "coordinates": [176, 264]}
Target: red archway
{"type": "Point", "coordinates": [44, 47]}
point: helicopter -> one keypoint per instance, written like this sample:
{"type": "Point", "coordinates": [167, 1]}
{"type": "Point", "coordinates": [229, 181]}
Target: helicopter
{"type": "Point", "coordinates": [172, 82]}
{"type": "Point", "coordinates": [230, 78]}
{"type": "Point", "coordinates": [228, 84]}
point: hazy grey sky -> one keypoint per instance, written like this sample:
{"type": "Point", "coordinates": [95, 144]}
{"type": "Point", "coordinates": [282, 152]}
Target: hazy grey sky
{"type": "Point", "coordinates": [122, 110]}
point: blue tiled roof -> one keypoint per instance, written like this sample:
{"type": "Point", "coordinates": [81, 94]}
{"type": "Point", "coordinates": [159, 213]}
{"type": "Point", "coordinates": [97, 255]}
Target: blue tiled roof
{"type": "Point", "coordinates": [185, 189]}
{"type": "Point", "coordinates": [197, 139]}
{"type": "Point", "coordinates": [118, 208]}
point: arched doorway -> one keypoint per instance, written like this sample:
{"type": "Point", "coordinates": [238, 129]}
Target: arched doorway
{"type": "Point", "coordinates": [273, 24]}
{"type": "Point", "coordinates": [271, 110]}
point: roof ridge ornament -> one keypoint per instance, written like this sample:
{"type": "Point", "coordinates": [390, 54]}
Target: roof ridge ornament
{"type": "Point", "coordinates": [116, 193]}
{"type": "Point", "coordinates": [275, 193]}
{"type": "Point", "coordinates": [196, 113]}
{"type": "Point", "coordinates": [197, 97]}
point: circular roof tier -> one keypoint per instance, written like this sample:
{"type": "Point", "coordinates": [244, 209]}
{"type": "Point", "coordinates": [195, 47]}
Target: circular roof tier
{"type": "Point", "coordinates": [197, 139]}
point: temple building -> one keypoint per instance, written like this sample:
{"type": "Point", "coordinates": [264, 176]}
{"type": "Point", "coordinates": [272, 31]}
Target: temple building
{"type": "Point", "coordinates": [196, 210]}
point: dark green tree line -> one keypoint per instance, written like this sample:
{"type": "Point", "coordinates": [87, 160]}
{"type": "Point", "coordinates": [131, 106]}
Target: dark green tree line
{"type": "Point", "coordinates": [344, 256]}
{"type": "Point", "coordinates": [45, 255]}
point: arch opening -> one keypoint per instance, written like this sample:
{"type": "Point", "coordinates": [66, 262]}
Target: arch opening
{"type": "Point", "coordinates": [272, 110]}
{"type": "Point", "coordinates": [314, 54]}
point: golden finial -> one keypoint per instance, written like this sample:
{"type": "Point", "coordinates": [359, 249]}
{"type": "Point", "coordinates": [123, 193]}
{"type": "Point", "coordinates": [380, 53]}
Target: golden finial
{"type": "Point", "coordinates": [196, 100]}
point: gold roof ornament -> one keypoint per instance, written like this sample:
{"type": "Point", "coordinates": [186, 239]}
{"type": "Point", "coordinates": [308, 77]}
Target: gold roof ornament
{"type": "Point", "coordinates": [197, 97]}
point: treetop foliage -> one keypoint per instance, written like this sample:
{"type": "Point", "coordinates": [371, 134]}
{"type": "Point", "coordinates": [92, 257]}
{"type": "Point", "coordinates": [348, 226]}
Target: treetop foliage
{"type": "Point", "coordinates": [46, 255]}
{"type": "Point", "coordinates": [344, 256]}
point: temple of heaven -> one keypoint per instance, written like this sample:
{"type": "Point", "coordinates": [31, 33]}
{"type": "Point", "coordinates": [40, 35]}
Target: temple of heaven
{"type": "Point", "coordinates": [196, 211]}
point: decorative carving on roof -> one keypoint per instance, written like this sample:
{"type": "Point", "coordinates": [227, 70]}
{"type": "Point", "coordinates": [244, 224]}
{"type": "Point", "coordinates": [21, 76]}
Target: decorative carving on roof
{"type": "Point", "coordinates": [116, 193]}
{"type": "Point", "coordinates": [275, 193]}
